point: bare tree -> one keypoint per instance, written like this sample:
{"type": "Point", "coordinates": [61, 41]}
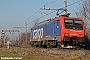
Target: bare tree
{"type": "Point", "coordinates": [23, 39]}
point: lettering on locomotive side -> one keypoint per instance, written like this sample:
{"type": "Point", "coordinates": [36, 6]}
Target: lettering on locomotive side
{"type": "Point", "coordinates": [38, 33]}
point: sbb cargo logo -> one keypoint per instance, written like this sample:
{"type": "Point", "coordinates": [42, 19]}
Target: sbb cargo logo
{"type": "Point", "coordinates": [38, 33]}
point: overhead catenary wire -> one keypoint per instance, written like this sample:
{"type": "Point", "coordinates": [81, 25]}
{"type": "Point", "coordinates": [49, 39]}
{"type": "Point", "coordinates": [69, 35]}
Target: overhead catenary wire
{"type": "Point", "coordinates": [72, 4]}
{"type": "Point", "coordinates": [54, 11]}
{"type": "Point", "coordinates": [41, 17]}
{"type": "Point", "coordinates": [30, 17]}
{"type": "Point", "coordinates": [75, 2]}
{"type": "Point", "coordinates": [51, 2]}
{"type": "Point", "coordinates": [47, 13]}
{"type": "Point", "coordinates": [36, 12]}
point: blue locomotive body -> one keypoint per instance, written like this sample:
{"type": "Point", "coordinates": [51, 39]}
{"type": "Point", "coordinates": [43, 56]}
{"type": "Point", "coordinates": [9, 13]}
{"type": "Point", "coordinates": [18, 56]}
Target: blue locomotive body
{"type": "Point", "coordinates": [46, 29]}
{"type": "Point", "coordinates": [46, 33]}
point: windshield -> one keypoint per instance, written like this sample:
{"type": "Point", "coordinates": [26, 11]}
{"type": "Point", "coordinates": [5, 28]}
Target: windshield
{"type": "Point", "coordinates": [73, 24]}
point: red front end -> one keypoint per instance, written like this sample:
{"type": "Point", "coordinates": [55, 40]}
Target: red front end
{"type": "Point", "coordinates": [74, 27]}
{"type": "Point", "coordinates": [72, 30]}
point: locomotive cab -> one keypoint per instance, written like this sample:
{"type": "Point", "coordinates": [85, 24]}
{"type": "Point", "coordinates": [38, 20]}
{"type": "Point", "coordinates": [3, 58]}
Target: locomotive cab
{"type": "Point", "coordinates": [73, 33]}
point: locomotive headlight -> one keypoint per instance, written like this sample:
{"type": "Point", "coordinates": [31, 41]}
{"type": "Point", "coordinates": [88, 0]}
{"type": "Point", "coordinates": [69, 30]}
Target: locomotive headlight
{"type": "Point", "coordinates": [80, 35]}
{"type": "Point", "coordinates": [66, 34]}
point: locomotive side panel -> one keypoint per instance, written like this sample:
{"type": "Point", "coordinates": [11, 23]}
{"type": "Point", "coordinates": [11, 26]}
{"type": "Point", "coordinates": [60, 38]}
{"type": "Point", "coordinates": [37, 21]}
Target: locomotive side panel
{"type": "Point", "coordinates": [47, 31]}
{"type": "Point", "coordinates": [46, 34]}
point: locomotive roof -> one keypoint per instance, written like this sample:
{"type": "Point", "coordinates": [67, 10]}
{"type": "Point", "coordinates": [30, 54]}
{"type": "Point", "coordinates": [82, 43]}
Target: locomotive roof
{"type": "Point", "coordinates": [45, 21]}
{"type": "Point", "coordinates": [51, 19]}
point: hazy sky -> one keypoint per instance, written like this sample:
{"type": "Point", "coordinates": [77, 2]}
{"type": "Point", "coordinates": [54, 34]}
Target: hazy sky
{"type": "Point", "coordinates": [15, 12]}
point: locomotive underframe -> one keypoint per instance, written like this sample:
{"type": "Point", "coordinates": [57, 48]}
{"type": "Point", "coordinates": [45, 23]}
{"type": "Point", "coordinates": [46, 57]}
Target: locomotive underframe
{"type": "Point", "coordinates": [74, 41]}
{"type": "Point", "coordinates": [54, 42]}
{"type": "Point", "coordinates": [45, 42]}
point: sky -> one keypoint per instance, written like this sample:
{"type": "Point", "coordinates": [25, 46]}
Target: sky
{"type": "Point", "coordinates": [16, 12]}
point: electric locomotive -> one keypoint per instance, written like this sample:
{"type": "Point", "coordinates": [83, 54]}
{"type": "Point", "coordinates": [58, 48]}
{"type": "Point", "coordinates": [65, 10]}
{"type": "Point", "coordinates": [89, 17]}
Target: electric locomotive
{"type": "Point", "coordinates": [62, 31]}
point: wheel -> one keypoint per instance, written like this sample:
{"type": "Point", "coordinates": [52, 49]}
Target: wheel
{"type": "Point", "coordinates": [59, 45]}
{"type": "Point", "coordinates": [39, 45]}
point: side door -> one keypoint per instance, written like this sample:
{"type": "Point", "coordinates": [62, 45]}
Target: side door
{"type": "Point", "coordinates": [57, 30]}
